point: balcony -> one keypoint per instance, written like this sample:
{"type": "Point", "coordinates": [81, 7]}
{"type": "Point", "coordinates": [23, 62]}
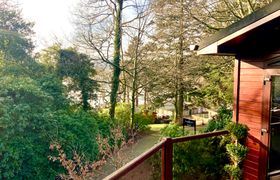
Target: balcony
{"type": "Point", "coordinates": [134, 169]}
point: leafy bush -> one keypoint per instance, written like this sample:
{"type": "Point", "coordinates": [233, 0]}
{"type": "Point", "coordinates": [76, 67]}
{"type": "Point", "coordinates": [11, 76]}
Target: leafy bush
{"type": "Point", "coordinates": [28, 126]}
{"type": "Point", "coordinates": [123, 117]}
{"type": "Point", "coordinates": [77, 168]}
{"type": "Point", "coordinates": [237, 131]}
{"type": "Point", "coordinates": [235, 171]}
{"type": "Point", "coordinates": [104, 124]}
{"type": "Point", "coordinates": [172, 130]}
{"type": "Point", "coordinates": [220, 121]}
{"type": "Point", "coordinates": [142, 121]}
{"type": "Point", "coordinates": [35, 112]}
{"type": "Point", "coordinates": [77, 131]}
{"type": "Point", "coordinates": [122, 114]}
{"type": "Point", "coordinates": [25, 129]}
{"type": "Point", "coordinates": [236, 151]}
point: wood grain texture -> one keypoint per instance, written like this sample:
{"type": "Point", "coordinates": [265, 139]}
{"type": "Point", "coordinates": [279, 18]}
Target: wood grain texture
{"type": "Point", "coordinates": [248, 176]}
{"type": "Point", "coordinates": [251, 112]}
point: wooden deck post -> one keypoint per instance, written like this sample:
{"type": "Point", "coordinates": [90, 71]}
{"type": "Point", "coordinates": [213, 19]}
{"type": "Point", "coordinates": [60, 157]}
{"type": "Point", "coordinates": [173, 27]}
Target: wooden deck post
{"type": "Point", "coordinates": [166, 160]}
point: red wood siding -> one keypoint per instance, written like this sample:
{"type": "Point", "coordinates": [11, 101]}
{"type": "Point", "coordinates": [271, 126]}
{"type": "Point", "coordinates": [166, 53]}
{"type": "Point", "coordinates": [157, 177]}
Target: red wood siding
{"type": "Point", "coordinates": [250, 112]}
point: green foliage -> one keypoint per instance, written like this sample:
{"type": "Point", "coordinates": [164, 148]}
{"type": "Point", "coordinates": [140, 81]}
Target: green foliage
{"type": "Point", "coordinates": [104, 124]}
{"type": "Point", "coordinates": [197, 159]}
{"type": "Point", "coordinates": [237, 131]}
{"type": "Point", "coordinates": [142, 121]}
{"type": "Point", "coordinates": [217, 85]}
{"type": "Point", "coordinates": [235, 171]}
{"type": "Point", "coordinates": [220, 121]}
{"type": "Point", "coordinates": [236, 151]}
{"type": "Point", "coordinates": [53, 86]}
{"type": "Point", "coordinates": [123, 117]}
{"type": "Point", "coordinates": [28, 126]}
{"type": "Point", "coordinates": [122, 114]}
{"type": "Point", "coordinates": [25, 125]}
{"type": "Point", "coordinates": [172, 130]}
{"type": "Point", "coordinates": [79, 67]}
{"type": "Point", "coordinates": [77, 131]}
{"type": "Point", "coordinates": [34, 113]}
{"type": "Point", "coordinates": [49, 56]}
{"type": "Point", "coordinates": [14, 46]}
{"type": "Point", "coordinates": [15, 40]}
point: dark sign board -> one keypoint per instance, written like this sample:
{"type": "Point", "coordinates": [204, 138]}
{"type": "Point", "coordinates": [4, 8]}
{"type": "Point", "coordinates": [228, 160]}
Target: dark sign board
{"type": "Point", "coordinates": [190, 123]}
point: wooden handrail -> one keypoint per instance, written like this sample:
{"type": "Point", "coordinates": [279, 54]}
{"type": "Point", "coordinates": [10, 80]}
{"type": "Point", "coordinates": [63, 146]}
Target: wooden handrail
{"type": "Point", "coordinates": [167, 147]}
{"type": "Point", "coordinates": [135, 162]}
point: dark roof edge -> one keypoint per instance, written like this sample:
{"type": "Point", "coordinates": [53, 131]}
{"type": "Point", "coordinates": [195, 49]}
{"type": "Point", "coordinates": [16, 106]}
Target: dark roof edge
{"type": "Point", "coordinates": [251, 18]}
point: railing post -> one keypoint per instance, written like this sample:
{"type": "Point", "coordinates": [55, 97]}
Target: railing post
{"type": "Point", "coordinates": [166, 160]}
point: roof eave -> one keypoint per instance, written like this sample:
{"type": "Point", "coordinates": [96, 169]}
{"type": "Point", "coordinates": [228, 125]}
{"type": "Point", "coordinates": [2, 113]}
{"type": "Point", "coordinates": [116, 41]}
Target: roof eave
{"type": "Point", "coordinates": [212, 47]}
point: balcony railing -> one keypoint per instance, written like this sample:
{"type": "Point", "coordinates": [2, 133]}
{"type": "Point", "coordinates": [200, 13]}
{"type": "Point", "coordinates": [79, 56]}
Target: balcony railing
{"type": "Point", "coordinates": [166, 147]}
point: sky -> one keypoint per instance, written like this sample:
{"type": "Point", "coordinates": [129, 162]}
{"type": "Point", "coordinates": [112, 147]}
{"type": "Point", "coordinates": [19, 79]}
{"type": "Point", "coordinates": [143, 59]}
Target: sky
{"type": "Point", "coordinates": [52, 20]}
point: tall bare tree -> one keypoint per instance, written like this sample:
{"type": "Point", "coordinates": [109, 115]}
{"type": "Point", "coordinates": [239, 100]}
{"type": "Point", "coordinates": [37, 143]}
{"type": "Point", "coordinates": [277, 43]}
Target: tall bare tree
{"type": "Point", "coordinates": [138, 32]}
{"type": "Point", "coordinates": [99, 25]}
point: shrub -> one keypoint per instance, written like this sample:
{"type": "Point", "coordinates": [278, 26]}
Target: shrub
{"type": "Point", "coordinates": [219, 121]}
{"type": "Point", "coordinates": [123, 117]}
{"type": "Point", "coordinates": [77, 131]}
{"type": "Point", "coordinates": [25, 129]}
{"type": "Point", "coordinates": [122, 114]}
{"type": "Point", "coordinates": [234, 171]}
{"type": "Point", "coordinates": [236, 151]}
{"type": "Point", "coordinates": [172, 130]}
{"type": "Point", "coordinates": [76, 168]}
{"type": "Point", "coordinates": [237, 131]}
{"type": "Point", "coordinates": [142, 121]}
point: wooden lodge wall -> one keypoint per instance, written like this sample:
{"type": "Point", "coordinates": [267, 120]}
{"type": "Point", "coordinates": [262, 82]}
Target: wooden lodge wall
{"type": "Point", "coordinates": [250, 111]}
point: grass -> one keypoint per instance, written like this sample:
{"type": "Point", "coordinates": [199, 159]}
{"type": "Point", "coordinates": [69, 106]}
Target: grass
{"type": "Point", "coordinates": [156, 127]}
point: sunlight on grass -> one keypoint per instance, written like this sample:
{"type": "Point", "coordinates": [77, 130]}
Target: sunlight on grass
{"type": "Point", "coordinates": [156, 127]}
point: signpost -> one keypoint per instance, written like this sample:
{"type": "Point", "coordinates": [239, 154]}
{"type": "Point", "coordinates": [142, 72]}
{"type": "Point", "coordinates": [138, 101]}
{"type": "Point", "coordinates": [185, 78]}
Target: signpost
{"type": "Point", "coordinates": [190, 123]}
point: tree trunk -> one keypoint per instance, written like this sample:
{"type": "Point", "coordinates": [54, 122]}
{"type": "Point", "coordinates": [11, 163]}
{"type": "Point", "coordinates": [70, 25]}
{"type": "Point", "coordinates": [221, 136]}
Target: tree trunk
{"type": "Point", "coordinates": [134, 86]}
{"type": "Point", "coordinates": [176, 91]}
{"type": "Point", "coordinates": [116, 58]}
{"type": "Point", "coordinates": [180, 102]}
{"type": "Point", "coordinates": [137, 99]}
{"type": "Point", "coordinates": [127, 95]}
{"type": "Point", "coordinates": [145, 99]}
{"type": "Point", "coordinates": [124, 88]}
{"type": "Point", "coordinates": [176, 104]}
